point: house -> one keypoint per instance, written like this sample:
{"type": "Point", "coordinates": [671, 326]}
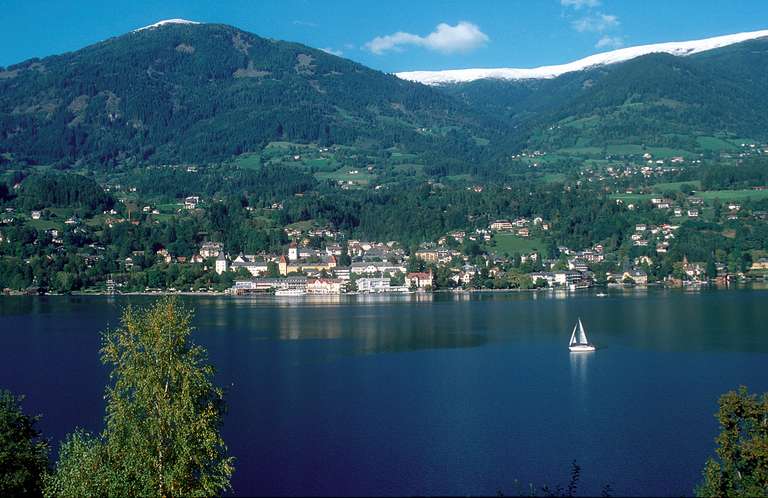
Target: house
{"type": "Point", "coordinates": [376, 267]}
{"type": "Point", "coordinates": [566, 277]}
{"type": "Point", "coordinates": [255, 266]}
{"type": "Point", "coordinates": [436, 255]}
{"type": "Point", "coordinates": [546, 277]}
{"type": "Point", "coordinates": [211, 249]}
{"type": "Point", "coordinates": [164, 255]}
{"type": "Point", "coordinates": [334, 249]}
{"type": "Point", "coordinates": [760, 264]}
{"type": "Point", "coordinates": [343, 272]}
{"type": "Point", "coordinates": [693, 213]}
{"type": "Point", "coordinates": [293, 252]}
{"type": "Point", "coordinates": [420, 280]}
{"type": "Point", "coordinates": [324, 286]}
{"type": "Point", "coordinates": [373, 284]}
{"type": "Point", "coordinates": [638, 277]}
{"type": "Point", "coordinates": [578, 265]}
{"type": "Point", "coordinates": [326, 263]}
{"type": "Point", "coordinates": [36, 215]}
{"type": "Point", "coordinates": [501, 226]}
{"type": "Point", "coordinates": [222, 264]}
{"type": "Point", "coordinates": [191, 202]}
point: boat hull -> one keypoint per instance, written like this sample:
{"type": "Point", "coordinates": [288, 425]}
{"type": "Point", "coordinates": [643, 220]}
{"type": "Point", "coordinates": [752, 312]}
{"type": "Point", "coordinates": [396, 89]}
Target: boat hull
{"type": "Point", "coordinates": [581, 348]}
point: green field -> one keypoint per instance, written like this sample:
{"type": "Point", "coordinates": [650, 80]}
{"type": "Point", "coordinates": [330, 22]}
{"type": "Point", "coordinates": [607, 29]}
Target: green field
{"type": "Point", "coordinates": [733, 195]}
{"type": "Point", "coordinates": [554, 178]}
{"type": "Point", "coordinates": [510, 244]}
{"type": "Point", "coordinates": [723, 195]}
{"type": "Point", "coordinates": [714, 144]}
{"type": "Point", "coordinates": [46, 224]}
{"type": "Point", "coordinates": [633, 197]}
{"type": "Point", "coordinates": [625, 150]}
{"type": "Point", "coordinates": [675, 186]}
{"type": "Point", "coordinates": [249, 160]}
{"type": "Point", "coordinates": [580, 151]}
{"type": "Point", "coordinates": [343, 174]}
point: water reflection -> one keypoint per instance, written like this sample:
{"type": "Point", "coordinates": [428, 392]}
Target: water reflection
{"type": "Point", "coordinates": [580, 370]}
{"type": "Point", "coordinates": [580, 389]}
{"type": "Point", "coordinates": [651, 319]}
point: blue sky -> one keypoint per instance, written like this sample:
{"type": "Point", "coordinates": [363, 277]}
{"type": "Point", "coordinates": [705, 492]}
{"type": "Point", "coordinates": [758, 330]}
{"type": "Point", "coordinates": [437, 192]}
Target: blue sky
{"type": "Point", "coordinates": [395, 35]}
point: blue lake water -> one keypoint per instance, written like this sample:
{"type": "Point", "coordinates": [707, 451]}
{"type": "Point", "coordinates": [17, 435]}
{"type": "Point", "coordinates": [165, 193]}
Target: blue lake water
{"type": "Point", "coordinates": [444, 394]}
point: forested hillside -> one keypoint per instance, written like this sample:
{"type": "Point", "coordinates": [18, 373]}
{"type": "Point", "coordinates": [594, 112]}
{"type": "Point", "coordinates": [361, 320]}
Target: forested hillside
{"type": "Point", "coordinates": [658, 99]}
{"type": "Point", "coordinates": [208, 92]}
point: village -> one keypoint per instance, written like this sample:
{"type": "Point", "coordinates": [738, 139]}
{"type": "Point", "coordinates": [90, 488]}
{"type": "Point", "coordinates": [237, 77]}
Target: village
{"type": "Point", "coordinates": [369, 267]}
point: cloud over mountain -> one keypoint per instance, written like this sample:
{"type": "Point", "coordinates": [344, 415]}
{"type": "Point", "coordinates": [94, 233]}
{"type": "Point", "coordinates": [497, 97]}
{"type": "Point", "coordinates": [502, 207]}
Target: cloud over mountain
{"type": "Point", "coordinates": [461, 38]}
{"type": "Point", "coordinates": [596, 23]}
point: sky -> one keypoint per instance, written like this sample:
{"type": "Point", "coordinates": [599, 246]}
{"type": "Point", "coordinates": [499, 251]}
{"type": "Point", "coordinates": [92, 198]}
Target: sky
{"type": "Point", "coordinates": [394, 35]}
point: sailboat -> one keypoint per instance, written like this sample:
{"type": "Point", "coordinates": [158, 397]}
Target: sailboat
{"type": "Point", "coordinates": [579, 342]}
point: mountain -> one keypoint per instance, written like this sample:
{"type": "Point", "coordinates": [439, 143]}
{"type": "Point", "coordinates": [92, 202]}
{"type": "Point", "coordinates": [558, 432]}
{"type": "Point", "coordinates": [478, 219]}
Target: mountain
{"type": "Point", "coordinates": [656, 99]}
{"type": "Point", "coordinates": [680, 49]}
{"type": "Point", "coordinates": [180, 91]}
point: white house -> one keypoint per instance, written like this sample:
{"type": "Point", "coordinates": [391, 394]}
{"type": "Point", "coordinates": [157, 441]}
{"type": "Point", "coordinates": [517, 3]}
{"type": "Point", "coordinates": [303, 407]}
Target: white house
{"type": "Point", "coordinates": [222, 265]}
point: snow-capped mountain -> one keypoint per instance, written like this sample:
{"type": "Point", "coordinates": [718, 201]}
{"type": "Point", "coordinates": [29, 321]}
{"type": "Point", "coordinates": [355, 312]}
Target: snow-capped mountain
{"type": "Point", "coordinates": [547, 72]}
{"type": "Point", "coordinates": [165, 22]}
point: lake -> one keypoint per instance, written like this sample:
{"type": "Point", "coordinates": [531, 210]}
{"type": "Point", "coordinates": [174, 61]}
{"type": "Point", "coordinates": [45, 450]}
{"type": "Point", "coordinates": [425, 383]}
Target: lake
{"type": "Point", "coordinates": [421, 394]}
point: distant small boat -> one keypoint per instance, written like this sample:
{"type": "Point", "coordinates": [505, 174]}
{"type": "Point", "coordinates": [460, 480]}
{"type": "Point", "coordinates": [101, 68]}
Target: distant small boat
{"type": "Point", "coordinates": [579, 342]}
{"type": "Point", "coordinates": [601, 294]}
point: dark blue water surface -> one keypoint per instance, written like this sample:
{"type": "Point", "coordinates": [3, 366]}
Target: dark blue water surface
{"type": "Point", "coordinates": [451, 394]}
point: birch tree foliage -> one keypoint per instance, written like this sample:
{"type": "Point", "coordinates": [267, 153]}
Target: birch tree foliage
{"type": "Point", "coordinates": [163, 415]}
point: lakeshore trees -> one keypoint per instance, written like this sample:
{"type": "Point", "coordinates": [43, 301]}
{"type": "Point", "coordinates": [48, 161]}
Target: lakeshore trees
{"type": "Point", "coordinates": [163, 416]}
{"type": "Point", "coordinates": [23, 453]}
{"type": "Point", "coordinates": [741, 467]}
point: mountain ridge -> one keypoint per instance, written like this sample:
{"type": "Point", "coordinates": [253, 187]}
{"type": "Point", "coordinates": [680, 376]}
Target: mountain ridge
{"type": "Point", "coordinates": [680, 49]}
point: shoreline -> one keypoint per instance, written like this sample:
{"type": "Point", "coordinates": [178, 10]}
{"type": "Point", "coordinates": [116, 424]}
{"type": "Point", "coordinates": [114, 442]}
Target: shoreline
{"type": "Point", "coordinates": [592, 290]}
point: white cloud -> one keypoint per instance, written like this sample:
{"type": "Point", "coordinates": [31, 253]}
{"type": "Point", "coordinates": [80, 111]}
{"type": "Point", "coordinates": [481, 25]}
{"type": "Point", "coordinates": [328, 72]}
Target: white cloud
{"type": "Point", "coordinates": [577, 4]}
{"type": "Point", "coordinates": [610, 42]}
{"type": "Point", "coordinates": [331, 51]}
{"type": "Point", "coordinates": [596, 23]}
{"type": "Point", "coordinates": [447, 39]}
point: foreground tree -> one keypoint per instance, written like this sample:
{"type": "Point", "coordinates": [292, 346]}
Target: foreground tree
{"type": "Point", "coordinates": [23, 454]}
{"type": "Point", "coordinates": [163, 417]}
{"type": "Point", "coordinates": [741, 468]}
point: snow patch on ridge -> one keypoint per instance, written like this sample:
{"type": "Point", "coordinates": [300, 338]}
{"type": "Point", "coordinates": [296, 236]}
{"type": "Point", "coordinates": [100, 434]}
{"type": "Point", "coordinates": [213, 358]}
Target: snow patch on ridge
{"type": "Point", "coordinates": [166, 22]}
{"type": "Point", "coordinates": [548, 72]}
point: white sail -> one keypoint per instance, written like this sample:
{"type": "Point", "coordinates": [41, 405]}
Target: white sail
{"type": "Point", "coordinates": [573, 336]}
{"type": "Point", "coordinates": [579, 342]}
{"type": "Point", "coordinates": [582, 334]}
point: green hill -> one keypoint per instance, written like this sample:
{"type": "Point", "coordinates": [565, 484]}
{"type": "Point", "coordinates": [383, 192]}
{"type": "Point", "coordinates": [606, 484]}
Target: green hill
{"type": "Point", "coordinates": [209, 93]}
{"type": "Point", "coordinates": [656, 100]}
{"type": "Point", "coordinates": [204, 93]}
